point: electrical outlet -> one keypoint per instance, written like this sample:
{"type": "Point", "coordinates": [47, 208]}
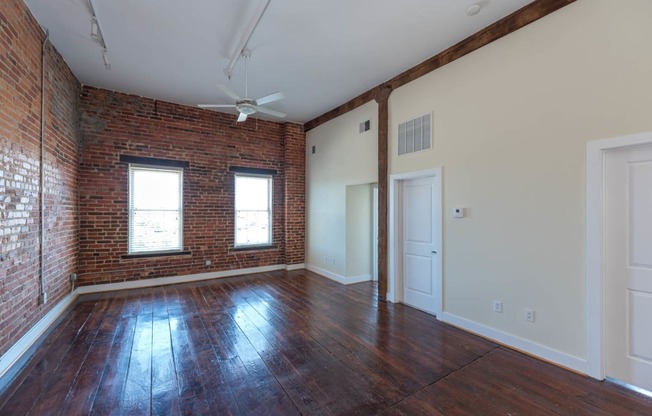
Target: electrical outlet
{"type": "Point", "coordinates": [529, 315]}
{"type": "Point", "coordinates": [208, 262]}
{"type": "Point", "coordinates": [73, 277]}
{"type": "Point", "coordinates": [498, 306]}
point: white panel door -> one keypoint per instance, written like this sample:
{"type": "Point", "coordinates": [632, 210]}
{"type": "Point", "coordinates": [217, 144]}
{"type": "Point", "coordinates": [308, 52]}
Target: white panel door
{"type": "Point", "coordinates": [419, 251]}
{"type": "Point", "coordinates": [628, 266]}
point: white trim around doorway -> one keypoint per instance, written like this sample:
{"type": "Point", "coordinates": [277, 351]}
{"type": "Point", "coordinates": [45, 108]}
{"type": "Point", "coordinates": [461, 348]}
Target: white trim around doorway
{"type": "Point", "coordinates": [395, 275]}
{"type": "Point", "coordinates": [595, 277]}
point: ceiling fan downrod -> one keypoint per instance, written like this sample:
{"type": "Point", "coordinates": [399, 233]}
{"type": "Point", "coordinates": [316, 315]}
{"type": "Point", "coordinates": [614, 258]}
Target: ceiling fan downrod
{"type": "Point", "coordinates": [246, 54]}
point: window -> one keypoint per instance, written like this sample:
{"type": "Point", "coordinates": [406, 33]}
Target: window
{"type": "Point", "coordinates": [253, 210]}
{"type": "Point", "coordinates": [155, 209]}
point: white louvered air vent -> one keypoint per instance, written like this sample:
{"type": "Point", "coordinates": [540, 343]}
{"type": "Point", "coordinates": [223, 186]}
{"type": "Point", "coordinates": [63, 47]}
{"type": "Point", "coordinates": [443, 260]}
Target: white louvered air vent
{"type": "Point", "coordinates": [415, 135]}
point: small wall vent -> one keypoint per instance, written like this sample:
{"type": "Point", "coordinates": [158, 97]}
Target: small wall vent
{"type": "Point", "coordinates": [365, 126]}
{"type": "Point", "coordinates": [415, 135]}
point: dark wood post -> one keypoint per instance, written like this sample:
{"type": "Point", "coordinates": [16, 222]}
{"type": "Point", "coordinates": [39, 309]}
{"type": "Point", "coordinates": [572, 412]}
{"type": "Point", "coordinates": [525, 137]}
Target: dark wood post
{"type": "Point", "coordinates": [382, 98]}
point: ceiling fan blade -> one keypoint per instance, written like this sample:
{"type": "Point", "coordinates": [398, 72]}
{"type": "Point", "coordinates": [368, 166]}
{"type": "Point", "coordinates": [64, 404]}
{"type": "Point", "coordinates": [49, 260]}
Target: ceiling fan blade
{"type": "Point", "coordinates": [242, 117]}
{"type": "Point", "coordinates": [270, 112]}
{"type": "Point", "coordinates": [216, 105]}
{"type": "Point", "coordinates": [270, 98]}
{"type": "Point", "coordinates": [226, 90]}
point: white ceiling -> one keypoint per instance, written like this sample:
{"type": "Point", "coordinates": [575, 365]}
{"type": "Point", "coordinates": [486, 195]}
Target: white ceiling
{"type": "Point", "coordinates": [319, 53]}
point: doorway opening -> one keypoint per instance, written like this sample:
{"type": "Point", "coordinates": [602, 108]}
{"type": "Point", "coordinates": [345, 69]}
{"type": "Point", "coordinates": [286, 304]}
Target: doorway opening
{"type": "Point", "coordinates": [361, 248]}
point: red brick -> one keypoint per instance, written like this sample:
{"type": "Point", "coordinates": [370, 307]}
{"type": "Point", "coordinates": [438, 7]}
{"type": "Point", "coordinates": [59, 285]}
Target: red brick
{"type": "Point", "coordinates": [114, 124]}
{"type": "Point", "coordinates": [86, 186]}
{"type": "Point", "coordinates": [20, 130]}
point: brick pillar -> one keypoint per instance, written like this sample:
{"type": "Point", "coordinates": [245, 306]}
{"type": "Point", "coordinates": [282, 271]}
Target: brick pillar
{"type": "Point", "coordinates": [294, 140]}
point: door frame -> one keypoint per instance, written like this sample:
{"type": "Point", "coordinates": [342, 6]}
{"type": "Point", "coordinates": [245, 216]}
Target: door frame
{"type": "Point", "coordinates": [395, 234]}
{"type": "Point", "coordinates": [595, 257]}
{"type": "Point", "coordinates": [374, 232]}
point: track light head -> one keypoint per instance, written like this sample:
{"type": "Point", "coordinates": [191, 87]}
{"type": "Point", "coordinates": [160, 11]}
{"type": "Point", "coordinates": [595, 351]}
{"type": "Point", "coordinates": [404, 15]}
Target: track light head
{"type": "Point", "coordinates": [105, 57]}
{"type": "Point", "coordinates": [95, 29]}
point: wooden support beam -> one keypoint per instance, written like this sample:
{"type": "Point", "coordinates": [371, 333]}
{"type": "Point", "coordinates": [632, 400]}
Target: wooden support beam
{"type": "Point", "coordinates": [382, 98]}
{"type": "Point", "coordinates": [520, 18]}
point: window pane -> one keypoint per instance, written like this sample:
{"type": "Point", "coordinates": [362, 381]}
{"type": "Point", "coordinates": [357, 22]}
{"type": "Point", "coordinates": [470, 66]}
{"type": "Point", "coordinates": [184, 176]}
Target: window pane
{"type": "Point", "coordinates": [253, 210]}
{"type": "Point", "coordinates": [155, 217]}
{"type": "Point", "coordinates": [251, 193]}
{"type": "Point", "coordinates": [155, 189]}
{"type": "Point", "coordinates": [252, 227]}
{"type": "Point", "coordinates": [155, 231]}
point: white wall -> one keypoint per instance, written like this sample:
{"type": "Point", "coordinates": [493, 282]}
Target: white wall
{"type": "Point", "coordinates": [343, 157]}
{"type": "Point", "coordinates": [511, 123]}
{"type": "Point", "coordinates": [358, 231]}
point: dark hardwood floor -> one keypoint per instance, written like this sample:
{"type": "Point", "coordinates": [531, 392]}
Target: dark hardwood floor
{"type": "Point", "coordinates": [285, 344]}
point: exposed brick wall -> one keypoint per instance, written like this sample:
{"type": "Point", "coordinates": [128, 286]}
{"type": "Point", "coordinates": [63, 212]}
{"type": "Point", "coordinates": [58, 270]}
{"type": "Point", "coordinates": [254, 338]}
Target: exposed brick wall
{"type": "Point", "coordinates": [113, 124]}
{"type": "Point", "coordinates": [86, 217]}
{"type": "Point", "coordinates": [20, 125]}
{"type": "Point", "coordinates": [294, 144]}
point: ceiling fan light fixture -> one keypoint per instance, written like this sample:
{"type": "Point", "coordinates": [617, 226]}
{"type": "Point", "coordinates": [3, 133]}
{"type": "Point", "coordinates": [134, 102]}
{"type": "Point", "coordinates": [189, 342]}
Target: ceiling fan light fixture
{"type": "Point", "coordinates": [246, 109]}
{"type": "Point", "coordinates": [247, 106]}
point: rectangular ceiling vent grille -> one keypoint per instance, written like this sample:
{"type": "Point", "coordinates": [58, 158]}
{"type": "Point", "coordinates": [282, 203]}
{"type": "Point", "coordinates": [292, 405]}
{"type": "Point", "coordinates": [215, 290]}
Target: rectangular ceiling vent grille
{"type": "Point", "coordinates": [415, 135]}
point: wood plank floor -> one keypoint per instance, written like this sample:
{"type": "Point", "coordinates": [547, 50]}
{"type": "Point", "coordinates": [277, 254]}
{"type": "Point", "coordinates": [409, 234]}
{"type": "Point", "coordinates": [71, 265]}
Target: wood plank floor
{"type": "Point", "coordinates": [286, 343]}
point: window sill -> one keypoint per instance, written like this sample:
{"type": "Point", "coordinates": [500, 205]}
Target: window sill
{"type": "Point", "coordinates": [156, 254]}
{"type": "Point", "coordinates": [251, 248]}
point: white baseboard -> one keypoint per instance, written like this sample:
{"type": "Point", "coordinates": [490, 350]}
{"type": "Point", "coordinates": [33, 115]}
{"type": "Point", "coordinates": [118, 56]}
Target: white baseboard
{"type": "Point", "coordinates": [22, 346]}
{"type": "Point", "coordinates": [290, 267]}
{"type": "Point", "coordinates": [336, 277]}
{"type": "Point", "coordinates": [326, 273]}
{"type": "Point", "coordinates": [529, 347]}
{"type": "Point", "coordinates": [358, 279]}
{"type": "Point", "coordinates": [163, 281]}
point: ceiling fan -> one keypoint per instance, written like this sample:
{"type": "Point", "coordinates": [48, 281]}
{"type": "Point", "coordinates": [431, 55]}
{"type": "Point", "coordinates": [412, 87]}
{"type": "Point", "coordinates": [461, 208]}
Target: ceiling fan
{"type": "Point", "coordinates": [248, 106]}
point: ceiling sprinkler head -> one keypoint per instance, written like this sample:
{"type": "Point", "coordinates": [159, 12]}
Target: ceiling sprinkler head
{"type": "Point", "coordinates": [473, 9]}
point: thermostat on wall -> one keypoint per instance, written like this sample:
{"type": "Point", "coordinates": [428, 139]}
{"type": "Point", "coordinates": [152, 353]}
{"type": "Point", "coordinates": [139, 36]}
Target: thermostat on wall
{"type": "Point", "coordinates": [458, 212]}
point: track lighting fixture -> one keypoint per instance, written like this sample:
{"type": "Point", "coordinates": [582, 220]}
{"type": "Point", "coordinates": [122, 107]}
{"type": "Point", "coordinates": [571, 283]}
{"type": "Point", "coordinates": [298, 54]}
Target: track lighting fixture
{"type": "Point", "coordinates": [105, 57]}
{"type": "Point", "coordinates": [94, 29]}
{"type": "Point", "coordinates": [228, 71]}
{"type": "Point", "coordinates": [98, 36]}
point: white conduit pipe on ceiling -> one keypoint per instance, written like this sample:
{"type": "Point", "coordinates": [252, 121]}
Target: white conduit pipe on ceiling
{"type": "Point", "coordinates": [44, 296]}
{"type": "Point", "coordinates": [228, 71]}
